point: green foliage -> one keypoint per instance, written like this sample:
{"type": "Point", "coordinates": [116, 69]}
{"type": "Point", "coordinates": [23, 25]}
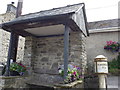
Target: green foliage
{"type": "Point", "coordinates": [114, 65]}
{"type": "Point", "coordinates": [17, 67]}
{"type": "Point", "coordinates": [74, 73]}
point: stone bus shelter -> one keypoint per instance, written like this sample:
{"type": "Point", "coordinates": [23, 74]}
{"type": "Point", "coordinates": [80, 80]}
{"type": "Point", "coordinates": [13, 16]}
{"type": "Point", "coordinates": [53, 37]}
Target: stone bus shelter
{"type": "Point", "coordinates": [52, 38]}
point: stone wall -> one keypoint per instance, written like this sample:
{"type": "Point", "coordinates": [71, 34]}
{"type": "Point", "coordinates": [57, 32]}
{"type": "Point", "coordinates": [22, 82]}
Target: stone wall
{"type": "Point", "coordinates": [13, 83]}
{"type": "Point", "coordinates": [5, 37]}
{"type": "Point", "coordinates": [46, 54]}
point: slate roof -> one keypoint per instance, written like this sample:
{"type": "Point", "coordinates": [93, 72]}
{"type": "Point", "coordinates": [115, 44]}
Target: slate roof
{"type": "Point", "coordinates": [72, 15]}
{"type": "Point", "coordinates": [52, 12]}
{"type": "Point", "coordinates": [103, 24]}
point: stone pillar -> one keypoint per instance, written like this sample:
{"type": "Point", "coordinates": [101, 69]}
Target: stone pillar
{"type": "Point", "coordinates": [77, 50]}
{"type": "Point", "coordinates": [84, 54]}
{"type": "Point", "coordinates": [28, 52]}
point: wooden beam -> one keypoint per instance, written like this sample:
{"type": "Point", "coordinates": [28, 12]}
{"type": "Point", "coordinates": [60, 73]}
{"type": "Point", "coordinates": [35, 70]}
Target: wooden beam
{"type": "Point", "coordinates": [66, 50]}
{"type": "Point", "coordinates": [10, 53]}
{"type": "Point", "coordinates": [23, 33]}
{"type": "Point", "coordinates": [85, 20]}
{"type": "Point", "coordinates": [38, 23]}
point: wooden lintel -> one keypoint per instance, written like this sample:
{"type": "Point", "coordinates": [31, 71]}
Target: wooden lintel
{"type": "Point", "coordinates": [23, 33]}
{"type": "Point", "coordinates": [36, 24]}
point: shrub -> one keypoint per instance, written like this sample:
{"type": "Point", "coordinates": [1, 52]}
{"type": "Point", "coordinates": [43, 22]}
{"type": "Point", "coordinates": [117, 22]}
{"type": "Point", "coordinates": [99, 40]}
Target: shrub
{"type": "Point", "coordinates": [114, 65]}
{"type": "Point", "coordinates": [17, 67]}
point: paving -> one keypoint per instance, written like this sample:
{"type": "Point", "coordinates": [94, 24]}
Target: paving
{"type": "Point", "coordinates": [113, 82]}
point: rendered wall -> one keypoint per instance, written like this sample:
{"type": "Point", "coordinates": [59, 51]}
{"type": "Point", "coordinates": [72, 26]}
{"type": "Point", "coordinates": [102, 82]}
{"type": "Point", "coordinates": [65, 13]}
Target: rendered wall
{"type": "Point", "coordinates": [95, 45]}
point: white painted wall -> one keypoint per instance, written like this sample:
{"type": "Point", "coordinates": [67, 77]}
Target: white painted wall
{"type": "Point", "coordinates": [96, 42]}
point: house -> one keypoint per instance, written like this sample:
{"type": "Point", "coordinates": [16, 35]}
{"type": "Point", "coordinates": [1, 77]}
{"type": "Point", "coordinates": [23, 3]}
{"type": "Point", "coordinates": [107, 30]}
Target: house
{"type": "Point", "coordinates": [100, 32]}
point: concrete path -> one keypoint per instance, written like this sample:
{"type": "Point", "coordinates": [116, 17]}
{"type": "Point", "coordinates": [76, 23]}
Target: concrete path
{"type": "Point", "coordinates": [113, 82]}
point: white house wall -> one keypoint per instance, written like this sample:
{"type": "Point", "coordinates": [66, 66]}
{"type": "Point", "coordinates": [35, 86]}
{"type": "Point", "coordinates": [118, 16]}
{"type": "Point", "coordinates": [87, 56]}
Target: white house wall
{"type": "Point", "coordinates": [96, 42]}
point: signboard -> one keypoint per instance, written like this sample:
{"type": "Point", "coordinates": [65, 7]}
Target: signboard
{"type": "Point", "coordinates": [101, 67]}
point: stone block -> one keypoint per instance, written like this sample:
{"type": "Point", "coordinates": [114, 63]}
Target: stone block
{"type": "Point", "coordinates": [44, 59]}
{"type": "Point", "coordinates": [46, 79]}
{"type": "Point", "coordinates": [46, 71]}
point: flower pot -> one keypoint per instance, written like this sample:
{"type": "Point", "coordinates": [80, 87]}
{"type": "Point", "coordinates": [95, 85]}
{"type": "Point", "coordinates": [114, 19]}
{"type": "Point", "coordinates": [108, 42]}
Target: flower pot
{"type": "Point", "coordinates": [14, 73]}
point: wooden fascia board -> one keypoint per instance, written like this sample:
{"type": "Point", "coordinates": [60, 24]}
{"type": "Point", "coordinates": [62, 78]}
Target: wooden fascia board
{"type": "Point", "coordinates": [23, 33]}
{"type": "Point", "coordinates": [73, 25]}
{"type": "Point", "coordinates": [82, 25]}
{"type": "Point", "coordinates": [42, 21]}
{"type": "Point", "coordinates": [85, 18]}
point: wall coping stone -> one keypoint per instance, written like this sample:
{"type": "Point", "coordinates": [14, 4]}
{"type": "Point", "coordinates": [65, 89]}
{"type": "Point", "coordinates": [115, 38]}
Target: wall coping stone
{"type": "Point", "coordinates": [12, 77]}
{"type": "Point", "coordinates": [69, 85]}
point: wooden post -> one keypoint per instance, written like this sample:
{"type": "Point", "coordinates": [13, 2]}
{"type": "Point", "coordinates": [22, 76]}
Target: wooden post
{"type": "Point", "coordinates": [18, 13]}
{"type": "Point", "coordinates": [12, 52]}
{"type": "Point", "coordinates": [66, 50]}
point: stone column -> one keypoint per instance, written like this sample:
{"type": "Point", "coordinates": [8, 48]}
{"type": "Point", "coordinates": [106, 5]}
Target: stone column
{"type": "Point", "coordinates": [28, 52]}
{"type": "Point", "coordinates": [77, 50]}
{"type": "Point", "coordinates": [84, 53]}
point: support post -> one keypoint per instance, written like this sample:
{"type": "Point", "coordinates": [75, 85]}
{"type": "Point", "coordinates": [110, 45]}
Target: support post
{"type": "Point", "coordinates": [12, 52]}
{"type": "Point", "coordinates": [18, 13]}
{"type": "Point", "coordinates": [66, 50]}
{"type": "Point", "coordinates": [16, 38]}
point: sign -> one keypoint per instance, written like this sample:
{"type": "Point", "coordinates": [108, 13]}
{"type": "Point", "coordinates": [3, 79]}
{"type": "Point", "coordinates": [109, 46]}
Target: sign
{"type": "Point", "coordinates": [102, 67]}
